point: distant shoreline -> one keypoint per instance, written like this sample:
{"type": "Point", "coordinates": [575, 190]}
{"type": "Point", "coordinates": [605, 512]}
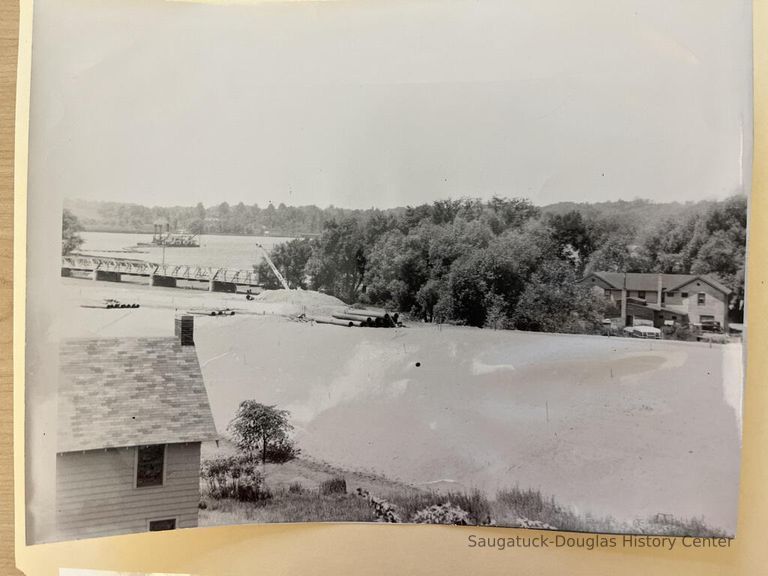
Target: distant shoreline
{"type": "Point", "coordinates": [149, 233]}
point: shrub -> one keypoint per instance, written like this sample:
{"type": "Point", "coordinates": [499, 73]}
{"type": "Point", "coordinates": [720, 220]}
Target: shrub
{"type": "Point", "coordinates": [679, 332]}
{"type": "Point", "coordinates": [474, 503]}
{"type": "Point", "coordinates": [234, 477]}
{"type": "Point", "coordinates": [295, 488]}
{"type": "Point", "coordinates": [442, 514]}
{"type": "Point", "coordinates": [336, 485]}
{"type": "Point", "coordinates": [282, 452]}
{"type": "Point", "coordinates": [496, 315]}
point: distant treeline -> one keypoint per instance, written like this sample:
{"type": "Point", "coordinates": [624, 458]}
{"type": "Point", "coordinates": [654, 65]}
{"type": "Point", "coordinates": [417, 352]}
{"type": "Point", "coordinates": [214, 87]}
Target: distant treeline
{"type": "Point", "coordinates": [500, 263]}
{"type": "Point", "coordinates": [222, 218]}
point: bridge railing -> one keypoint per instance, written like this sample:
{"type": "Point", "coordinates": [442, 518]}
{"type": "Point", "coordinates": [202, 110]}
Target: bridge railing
{"type": "Point", "coordinates": [177, 271]}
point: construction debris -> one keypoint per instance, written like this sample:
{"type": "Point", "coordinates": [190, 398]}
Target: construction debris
{"type": "Point", "coordinates": [212, 312]}
{"type": "Point", "coordinates": [111, 303]}
{"type": "Point", "coordinates": [335, 321]}
{"type": "Point", "coordinates": [383, 510]}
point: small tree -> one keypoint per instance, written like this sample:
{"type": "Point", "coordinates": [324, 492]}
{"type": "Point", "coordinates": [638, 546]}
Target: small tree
{"type": "Point", "coordinates": [257, 428]}
{"type": "Point", "coordinates": [70, 226]}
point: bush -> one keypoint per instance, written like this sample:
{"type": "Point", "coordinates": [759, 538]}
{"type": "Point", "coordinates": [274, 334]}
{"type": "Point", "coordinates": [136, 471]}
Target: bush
{"type": "Point", "coordinates": [474, 503]}
{"type": "Point", "coordinates": [336, 485]}
{"type": "Point", "coordinates": [442, 514]}
{"type": "Point", "coordinates": [678, 332]}
{"type": "Point", "coordinates": [496, 316]}
{"type": "Point", "coordinates": [282, 452]}
{"type": "Point", "coordinates": [295, 488]}
{"type": "Point", "coordinates": [234, 477]}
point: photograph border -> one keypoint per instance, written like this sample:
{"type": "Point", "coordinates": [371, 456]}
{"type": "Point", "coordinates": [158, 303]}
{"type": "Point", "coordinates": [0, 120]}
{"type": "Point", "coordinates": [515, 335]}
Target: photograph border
{"type": "Point", "coordinates": [367, 549]}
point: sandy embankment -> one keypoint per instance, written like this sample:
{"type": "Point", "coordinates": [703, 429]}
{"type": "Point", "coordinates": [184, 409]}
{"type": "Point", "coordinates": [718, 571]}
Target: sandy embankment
{"type": "Point", "coordinates": [607, 425]}
{"type": "Point", "coordinates": [159, 306]}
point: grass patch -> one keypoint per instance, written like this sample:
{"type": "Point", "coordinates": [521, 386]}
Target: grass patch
{"type": "Point", "coordinates": [307, 507]}
{"type": "Point", "coordinates": [512, 505]}
{"type": "Point", "coordinates": [337, 485]}
{"type": "Point", "coordinates": [668, 525]}
{"type": "Point", "coordinates": [304, 490]}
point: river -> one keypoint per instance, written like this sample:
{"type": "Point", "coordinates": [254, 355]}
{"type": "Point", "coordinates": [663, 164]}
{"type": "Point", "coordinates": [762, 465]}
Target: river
{"type": "Point", "coordinates": [217, 251]}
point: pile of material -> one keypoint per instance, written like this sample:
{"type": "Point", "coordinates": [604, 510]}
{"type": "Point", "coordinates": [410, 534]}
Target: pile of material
{"type": "Point", "coordinates": [308, 298]}
{"type": "Point", "coordinates": [295, 302]}
{"type": "Point", "coordinates": [361, 318]}
{"type": "Point", "coordinates": [111, 303]}
{"type": "Point", "coordinates": [211, 311]}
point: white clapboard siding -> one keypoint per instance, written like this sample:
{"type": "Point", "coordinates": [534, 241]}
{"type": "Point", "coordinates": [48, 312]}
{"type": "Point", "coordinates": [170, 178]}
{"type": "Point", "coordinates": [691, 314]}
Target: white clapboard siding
{"type": "Point", "coordinates": [96, 493]}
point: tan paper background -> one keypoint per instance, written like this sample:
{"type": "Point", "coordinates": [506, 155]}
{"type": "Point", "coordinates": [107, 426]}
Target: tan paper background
{"type": "Point", "coordinates": [339, 548]}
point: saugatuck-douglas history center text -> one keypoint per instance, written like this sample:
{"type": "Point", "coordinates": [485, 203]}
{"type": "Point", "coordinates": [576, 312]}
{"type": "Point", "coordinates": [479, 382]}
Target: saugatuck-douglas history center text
{"type": "Point", "coordinates": [595, 542]}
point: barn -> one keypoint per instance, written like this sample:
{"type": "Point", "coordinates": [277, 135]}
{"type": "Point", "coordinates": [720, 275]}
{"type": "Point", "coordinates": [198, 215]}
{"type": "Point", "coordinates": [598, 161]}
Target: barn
{"type": "Point", "coordinates": [132, 413]}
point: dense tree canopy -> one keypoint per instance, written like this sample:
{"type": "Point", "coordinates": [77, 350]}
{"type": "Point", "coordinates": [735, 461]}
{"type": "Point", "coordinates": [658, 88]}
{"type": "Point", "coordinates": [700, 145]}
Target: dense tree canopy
{"type": "Point", "coordinates": [500, 263]}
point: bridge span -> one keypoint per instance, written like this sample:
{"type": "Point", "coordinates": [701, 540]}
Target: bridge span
{"type": "Point", "coordinates": [168, 275]}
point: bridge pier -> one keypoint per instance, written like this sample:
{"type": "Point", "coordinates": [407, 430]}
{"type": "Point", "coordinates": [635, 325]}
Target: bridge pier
{"type": "Point", "coordinates": [106, 275]}
{"type": "Point", "coordinates": [219, 286]}
{"type": "Point", "coordinates": [164, 281]}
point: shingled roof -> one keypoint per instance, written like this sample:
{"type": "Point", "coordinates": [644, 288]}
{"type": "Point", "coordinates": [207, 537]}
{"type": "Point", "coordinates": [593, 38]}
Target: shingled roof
{"type": "Point", "coordinates": [116, 392]}
{"type": "Point", "coordinates": [649, 281]}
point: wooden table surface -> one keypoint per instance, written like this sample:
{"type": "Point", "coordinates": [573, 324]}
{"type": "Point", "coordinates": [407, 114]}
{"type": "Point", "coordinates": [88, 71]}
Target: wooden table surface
{"type": "Point", "coordinates": [9, 37]}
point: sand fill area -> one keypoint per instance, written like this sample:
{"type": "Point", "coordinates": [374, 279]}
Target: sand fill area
{"type": "Point", "coordinates": [609, 426]}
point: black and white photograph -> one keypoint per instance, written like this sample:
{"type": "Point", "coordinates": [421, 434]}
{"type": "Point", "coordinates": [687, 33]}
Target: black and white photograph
{"type": "Point", "coordinates": [474, 263]}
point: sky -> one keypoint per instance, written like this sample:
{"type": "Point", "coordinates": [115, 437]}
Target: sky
{"type": "Point", "coordinates": [387, 103]}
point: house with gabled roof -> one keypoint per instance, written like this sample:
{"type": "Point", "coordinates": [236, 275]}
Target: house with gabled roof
{"type": "Point", "coordinates": [132, 413]}
{"type": "Point", "coordinates": [685, 299]}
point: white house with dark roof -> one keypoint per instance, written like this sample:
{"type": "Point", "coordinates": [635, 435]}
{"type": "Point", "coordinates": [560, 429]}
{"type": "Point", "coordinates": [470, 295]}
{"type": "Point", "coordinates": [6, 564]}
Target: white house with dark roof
{"type": "Point", "coordinates": [132, 413]}
{"type": "Point", "coordinates": [686, 299]}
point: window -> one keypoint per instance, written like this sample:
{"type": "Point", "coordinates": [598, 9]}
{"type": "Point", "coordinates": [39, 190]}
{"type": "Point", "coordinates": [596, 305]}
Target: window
{"type": "Point", "coordinates": [671, 294]}
{"type": "Point", "coordinates": [150, 462]}
{"type": "Point", "coordinates": [607, 293]}
{"type": "Point", "coordinates": [641, 294]}
{"type": "Point", "coordinates": [701, 298]}
{"type": "Point", "coordinates": [158, 525]}
{"type": "Point", "coordinates": [684, 294]}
